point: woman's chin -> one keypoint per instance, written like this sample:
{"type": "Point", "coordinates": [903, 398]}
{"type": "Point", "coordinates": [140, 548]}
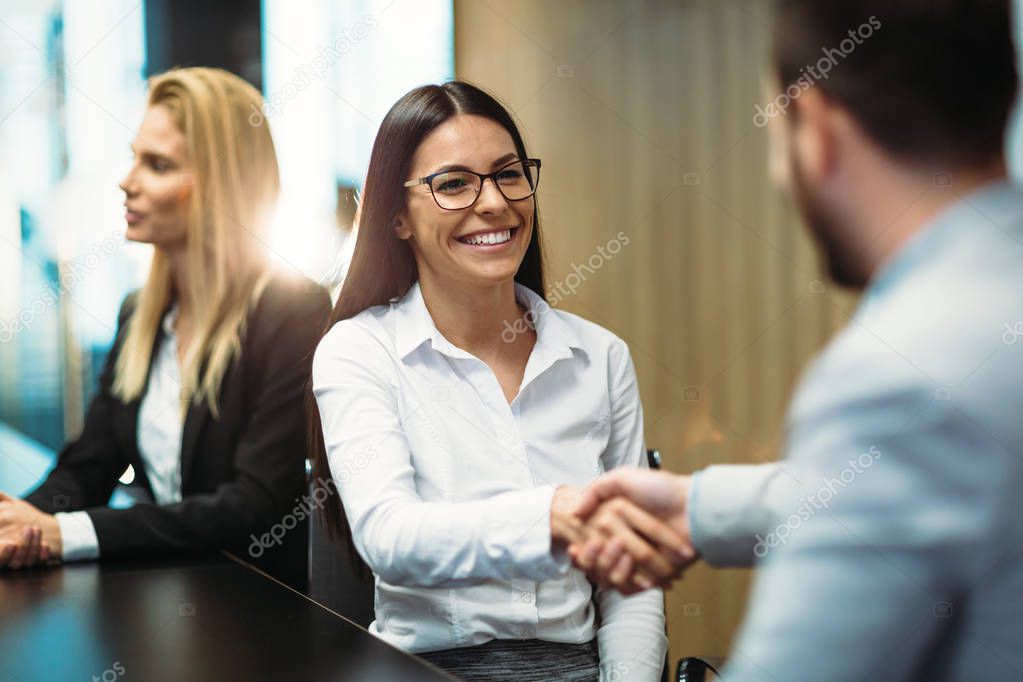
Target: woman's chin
{"type": "Point", "coordinates": [136, 234]}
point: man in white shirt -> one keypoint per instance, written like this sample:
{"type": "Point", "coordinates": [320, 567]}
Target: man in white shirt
{"type": "Point", "coordinates": [891, 535]}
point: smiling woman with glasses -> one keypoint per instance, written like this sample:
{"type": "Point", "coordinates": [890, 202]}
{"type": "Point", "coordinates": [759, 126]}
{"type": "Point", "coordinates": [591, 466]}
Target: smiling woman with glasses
{"type": "Point", "coordinates": [457, 449]}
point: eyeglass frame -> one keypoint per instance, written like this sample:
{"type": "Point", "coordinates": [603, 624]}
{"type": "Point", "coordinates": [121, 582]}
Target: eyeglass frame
{"type": "Point", "coordinates": [428, 181]}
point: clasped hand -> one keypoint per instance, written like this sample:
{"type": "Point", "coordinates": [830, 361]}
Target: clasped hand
{"type": "Point", "coordinates": [28, 537]}
{"type": "Point", "coordinates": [628, 530]}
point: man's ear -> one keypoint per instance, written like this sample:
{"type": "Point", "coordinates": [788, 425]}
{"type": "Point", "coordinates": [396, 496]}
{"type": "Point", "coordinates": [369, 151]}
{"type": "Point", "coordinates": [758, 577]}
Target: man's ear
{"type": "Point", "coordinates": [814, 135]}
{"type": "Point", "coordinates": [401, 227]}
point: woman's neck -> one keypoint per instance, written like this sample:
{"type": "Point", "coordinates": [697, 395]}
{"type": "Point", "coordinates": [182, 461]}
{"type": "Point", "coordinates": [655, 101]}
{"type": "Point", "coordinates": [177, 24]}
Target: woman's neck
{"type": "Point", "coordinates": [179, 281]}
{"type": "Point", "coordinates": [472, 318]}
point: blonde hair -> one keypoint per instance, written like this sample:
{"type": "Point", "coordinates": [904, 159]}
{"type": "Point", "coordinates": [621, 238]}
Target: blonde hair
{"type": "Point", "coordinates": [234, 188]}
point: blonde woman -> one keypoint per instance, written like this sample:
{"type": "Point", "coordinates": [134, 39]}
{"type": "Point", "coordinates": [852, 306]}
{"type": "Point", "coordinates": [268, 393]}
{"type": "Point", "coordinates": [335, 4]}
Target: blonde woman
{"type": "Point", "coordinates": [202, 391]}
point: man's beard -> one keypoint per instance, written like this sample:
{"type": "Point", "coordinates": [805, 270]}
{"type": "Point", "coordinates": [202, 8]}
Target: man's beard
{"type": "Point", "coordinates": [842, 259]}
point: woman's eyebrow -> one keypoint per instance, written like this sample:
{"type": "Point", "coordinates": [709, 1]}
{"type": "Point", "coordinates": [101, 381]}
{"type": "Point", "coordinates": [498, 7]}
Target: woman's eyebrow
{"type": "Point", "coordinates": [496, 164]}
{"type": "Point", "coordinates": [150, 154]}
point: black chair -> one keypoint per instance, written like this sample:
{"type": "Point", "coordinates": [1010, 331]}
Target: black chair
{"type": "Point", "coordinates": [695, 669]}
{"type": "Point", "coordinates": [690, 668]}
{"type": "Point", "coordinates": [333, 579]}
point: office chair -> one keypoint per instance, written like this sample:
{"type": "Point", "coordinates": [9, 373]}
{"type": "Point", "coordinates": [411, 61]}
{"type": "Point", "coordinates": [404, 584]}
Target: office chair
{"type": "Point", "coordinates": [690, 668]}
{"type": "Point", "coordinates": [333, 580]}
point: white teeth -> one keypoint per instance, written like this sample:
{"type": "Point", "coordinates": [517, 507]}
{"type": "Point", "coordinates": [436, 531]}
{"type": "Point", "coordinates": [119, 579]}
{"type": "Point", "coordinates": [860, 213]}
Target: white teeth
{"type": "Point", "coordinates": [489, 239]}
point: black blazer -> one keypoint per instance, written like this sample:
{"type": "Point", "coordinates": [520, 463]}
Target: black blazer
{"type": "Point", "coordinates": [240, 474]}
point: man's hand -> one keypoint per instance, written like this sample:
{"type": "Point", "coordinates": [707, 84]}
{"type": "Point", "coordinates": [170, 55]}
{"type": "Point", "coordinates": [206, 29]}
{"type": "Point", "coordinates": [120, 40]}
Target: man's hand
{"type": "Point", "coordinates": [27, 536]}
{"type": "Point", "coordinates": [612, 502]}
{"type": "Point", "coordinates": [635, 533]}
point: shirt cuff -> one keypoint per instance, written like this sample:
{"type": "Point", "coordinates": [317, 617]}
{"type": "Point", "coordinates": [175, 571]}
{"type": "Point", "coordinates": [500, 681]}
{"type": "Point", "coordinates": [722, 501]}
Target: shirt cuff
{"type": "Point", "coordinates": [78, 536]}
{"type": "Point", "coordinates": [631, 639]}
{"type": "Point", "coordinates": [528, 544]}
{"type": "Point", "coordinates": [732, 507]}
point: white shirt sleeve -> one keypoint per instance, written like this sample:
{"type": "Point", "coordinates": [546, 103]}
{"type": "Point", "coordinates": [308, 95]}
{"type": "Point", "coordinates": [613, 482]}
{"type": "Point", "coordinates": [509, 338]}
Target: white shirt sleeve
{"type": "Point", "coordinates": [405, 540]}
{"type": "Point", "coordinates": [631, 639]}
{"type": "Point", "coordinates": [78, 536]}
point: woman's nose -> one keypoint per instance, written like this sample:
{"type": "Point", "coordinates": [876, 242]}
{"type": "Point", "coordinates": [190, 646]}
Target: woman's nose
{"type": "Point", "coordinates": [127, 183]}
{"type": "Point", "coordinates": [491, 200]}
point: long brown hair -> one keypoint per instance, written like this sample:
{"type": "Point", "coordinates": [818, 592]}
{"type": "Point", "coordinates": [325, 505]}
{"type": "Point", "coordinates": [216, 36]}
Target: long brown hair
{"type": "Point", "coordinates": [383, 266]}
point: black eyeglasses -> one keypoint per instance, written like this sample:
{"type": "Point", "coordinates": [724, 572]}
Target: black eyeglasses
{"type": "Point", "coordinates": [457, 190]}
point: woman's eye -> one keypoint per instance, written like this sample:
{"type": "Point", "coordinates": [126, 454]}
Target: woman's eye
{"type": "Point", "coordinates": [509, 176]}
{"type": "Point", "coordinates": [453, 185]}
{"type": "Point", "coordinates": [160, 166]}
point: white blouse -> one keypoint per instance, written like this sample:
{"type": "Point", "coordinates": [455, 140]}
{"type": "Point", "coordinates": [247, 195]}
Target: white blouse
{"type": "Point", "coordinates": [448, 487]}
{"type": "Point", "coordinates": [159, 441]}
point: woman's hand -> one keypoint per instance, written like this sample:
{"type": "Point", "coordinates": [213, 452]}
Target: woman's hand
{"type": "Point", "coordinates": [662, 518]}
{"type": "Point", "coordinates": [634, 539]}
{"type": "Point", "coordinates": [28, 537]}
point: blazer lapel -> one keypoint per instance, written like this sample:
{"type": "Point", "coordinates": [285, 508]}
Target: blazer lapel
{"type": "Point", "coordinates": [195, 421]}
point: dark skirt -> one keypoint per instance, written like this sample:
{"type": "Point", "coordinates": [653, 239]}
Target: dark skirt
{"type": "Point", "coordinates": [529, 660]}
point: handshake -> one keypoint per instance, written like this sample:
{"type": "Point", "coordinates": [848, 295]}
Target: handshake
{"type": "Point", "coordinates": [628, 530]}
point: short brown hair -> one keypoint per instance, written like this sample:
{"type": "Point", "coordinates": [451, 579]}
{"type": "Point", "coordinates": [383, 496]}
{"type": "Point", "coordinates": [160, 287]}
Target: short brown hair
{"type": "Point", "coordinates": [932, 81]}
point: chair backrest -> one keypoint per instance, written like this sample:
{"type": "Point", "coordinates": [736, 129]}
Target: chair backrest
{"type": "Point", "coordinates": [333, 580]}
{"type": "Point", "coordinates": [653, 458]}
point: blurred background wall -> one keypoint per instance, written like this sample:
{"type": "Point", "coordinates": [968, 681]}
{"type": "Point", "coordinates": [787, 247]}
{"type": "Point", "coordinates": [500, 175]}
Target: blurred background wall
{"type": "Point", "coordinates": [642, 112]}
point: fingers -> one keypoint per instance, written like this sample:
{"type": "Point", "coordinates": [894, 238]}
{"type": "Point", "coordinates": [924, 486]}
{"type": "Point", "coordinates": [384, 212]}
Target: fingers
{"type": "Point", "coordinates": [21, 552]}
{"type": "Point", "coordinates": [600, 490]}
{"type": "Point", "coordinates": [35, 548]}
{"type": "Point", "coordinates": [609, 522]}
{"type": "Point", "coordinates": [4, 497]}
{"type": "Point", "coordinates": [584, 555]}
{"type": "Point", "coordinates": [6, 552]}
{"type": "Point", "coordinates": [614, 551]}
{"type": "Point", "coordinates": [658, 532]}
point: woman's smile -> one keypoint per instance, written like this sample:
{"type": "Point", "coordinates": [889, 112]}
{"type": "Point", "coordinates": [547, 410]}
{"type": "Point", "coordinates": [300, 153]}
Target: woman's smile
{"type": "Point", "coordinates": [489, 241]}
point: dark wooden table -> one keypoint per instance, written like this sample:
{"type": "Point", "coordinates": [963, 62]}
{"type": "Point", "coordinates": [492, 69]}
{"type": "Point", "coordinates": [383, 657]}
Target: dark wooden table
{"type": "Point", "coordinates": [212, 619]}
